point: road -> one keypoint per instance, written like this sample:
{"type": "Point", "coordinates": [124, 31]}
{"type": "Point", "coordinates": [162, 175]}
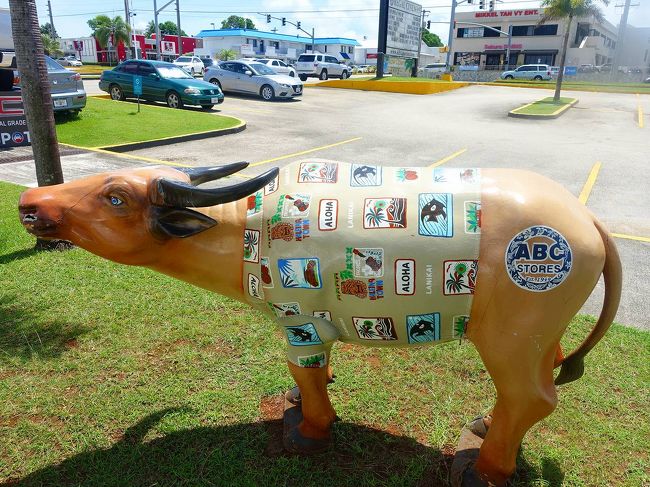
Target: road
{"type": "Point", "coordinates": [463, 128]}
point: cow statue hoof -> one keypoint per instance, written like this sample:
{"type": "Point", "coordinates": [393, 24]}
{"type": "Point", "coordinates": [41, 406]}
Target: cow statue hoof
{"type": "Point", "coordinates": [463, 473]}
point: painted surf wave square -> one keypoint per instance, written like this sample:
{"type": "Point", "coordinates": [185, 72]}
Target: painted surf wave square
{"type": "Point", "coordinates": [423, 328]}
{"type": "Point", "coordinates": [436, 214]}
{"type": "Point", "coordinates": [384, 213]}
{"type": "Point", "coordinates": [303, 335]}
{"type": "Point", "coordinates": [300, 273]}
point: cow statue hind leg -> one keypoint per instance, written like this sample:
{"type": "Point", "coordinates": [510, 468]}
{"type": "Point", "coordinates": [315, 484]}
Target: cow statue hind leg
{"type": "Point", "coordinates": [517, 331]}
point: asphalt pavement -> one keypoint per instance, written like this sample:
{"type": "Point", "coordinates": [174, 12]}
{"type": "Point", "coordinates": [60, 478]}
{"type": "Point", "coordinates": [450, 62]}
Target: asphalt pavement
{"type": "Point", "coordinates": [463, 128]}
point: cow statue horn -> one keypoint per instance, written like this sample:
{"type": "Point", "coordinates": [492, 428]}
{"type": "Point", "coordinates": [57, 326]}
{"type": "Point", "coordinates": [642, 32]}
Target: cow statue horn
{"type": "Point", "coordinates": [177, 194]}
{"type": "Point", "coordinates": [200, 175]}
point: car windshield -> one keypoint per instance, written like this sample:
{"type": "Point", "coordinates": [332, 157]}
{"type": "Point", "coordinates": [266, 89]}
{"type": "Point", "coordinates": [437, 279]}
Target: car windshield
{"type": "Point", "coordinates": [261, 68]}
{"type": "Point", "coordinates": [173, 72]}
{"type": "Point", "coordinates": [183, 59]}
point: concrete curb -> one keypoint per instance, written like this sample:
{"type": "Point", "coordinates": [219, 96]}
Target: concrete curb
{"type": "Point", "coordinates": [631, 91]}
{"type": "Point", "coordinates": [407, 87]}
{"type": "Point", "coordinates": [549, 116]}
{"type": "Point", "coordinates": [175, 139]}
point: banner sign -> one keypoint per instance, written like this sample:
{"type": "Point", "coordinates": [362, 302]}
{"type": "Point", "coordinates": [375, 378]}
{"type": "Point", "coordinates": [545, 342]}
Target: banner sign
{"type": "Point", "coordinates": [400, 24]}
{"type": "Point", "coordinates": [13, 125]}
{"type": "Point", "coordinates": [137, 85]}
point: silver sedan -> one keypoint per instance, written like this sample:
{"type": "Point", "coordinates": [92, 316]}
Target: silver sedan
{"type": "Point", "coordinates": [253, 77]}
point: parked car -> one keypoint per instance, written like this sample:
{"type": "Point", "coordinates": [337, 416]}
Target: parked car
{"type": "Point", "coordinates": [278, 66]}
{"type": "Point", "coordinates": [361, 68]}
{"type": "Point", "coordinates": [69, 61]}
{"type": "Point", "coordinates": [587, 68]}
{"type": "Point", "coordinates": [529, 71]}
{"type": "Point", "coordinates": [66, 87]}
{"type": "Point", "coordinates": [647, 80]}
{"type": "Point", "coordinates": [321, 66]}
{"type": "Point", "coordinates": [433, 68]}
{"type": "Point", "coordinates": [207, 62]}
{"type": "Point", "coordinates": [161, 81]}
{"type": "Point", "coordinates": [604, 68]}
{"type": "Point", "coordinates": [254, 78]}
{"type": "Point", "coordinates": [192, 64]}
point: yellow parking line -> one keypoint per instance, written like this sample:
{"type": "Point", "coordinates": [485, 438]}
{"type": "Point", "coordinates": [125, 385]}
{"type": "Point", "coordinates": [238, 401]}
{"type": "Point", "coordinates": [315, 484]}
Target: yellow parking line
{"type": "Point", "coordinates": [448, 158]}
{"type": "Point", "coordinates": [630, 237]}
{"type": "Point", "coordinates": [639, 111]}
{"type": "Point", "coordinates": [591, 180]}
{"type": "Point", "coordinates": [308, 151]}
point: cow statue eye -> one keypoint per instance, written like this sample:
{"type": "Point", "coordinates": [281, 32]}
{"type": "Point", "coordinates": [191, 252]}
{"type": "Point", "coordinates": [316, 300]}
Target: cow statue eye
{"type": "Point", "coordinates": [115, 201]}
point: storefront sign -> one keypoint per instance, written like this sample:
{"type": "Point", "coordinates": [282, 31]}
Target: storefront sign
{"type": "Point", "coordinates": [13, 125]}
{"type": "Point", "coordinates": [502, 47]}
{"type": "Point", "coordinates": [570, 70]}
{"type": "Point", "coordinates": [247, 49]}
{"type": "Point", "coordinates": [167, 47]}
{"type": "Point", "coordinates": [509, 13]}
{"type": "Point", "coordinates": [399, 28]}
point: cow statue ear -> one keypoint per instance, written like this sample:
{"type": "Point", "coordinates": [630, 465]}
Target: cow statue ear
{"type": "Point", "coordinates": [179, 222]}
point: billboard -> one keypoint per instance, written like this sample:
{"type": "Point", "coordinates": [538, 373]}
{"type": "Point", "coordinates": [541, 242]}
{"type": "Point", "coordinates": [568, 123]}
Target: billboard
{"type": "Point", "coordinates": [13, 125]}
{"type": "Point", "coordinates": [400, 24]}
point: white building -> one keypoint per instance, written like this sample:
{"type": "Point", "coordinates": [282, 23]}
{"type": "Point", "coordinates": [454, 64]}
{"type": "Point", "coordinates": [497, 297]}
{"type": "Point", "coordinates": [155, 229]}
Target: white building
{"type": "Point", "coordinates": [84, 48]}
{"type": "Point", "coordinates": [255, 43]}
{"type": "Point", "coordinates": [590, 42]}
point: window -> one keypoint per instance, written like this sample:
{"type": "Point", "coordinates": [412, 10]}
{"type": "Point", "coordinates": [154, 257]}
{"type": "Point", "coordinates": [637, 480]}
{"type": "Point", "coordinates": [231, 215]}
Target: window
{"type": "Point", "coordinates": [473, 32]}
{"type": "Point", "coordinates": [145, 69]}
{"type": "Point", "coordinates": [350, 49]}
{"type": "Point", "coordinates": [130, 68]}
{"type": "Point", "coordinates": [491, 33]}
{"type": "Point", "coordinates": [275, 44]}
{"type": "Point", "coordinates": [280, 63]}
{"type": "Point", "coordinates": [545, 30]}
{"type": "Point", "coordinates": [331, 59]}
{"type": "Point", "coordinates": [227, 66]}
{"type": "Point", "coordinates": [306, 58]}
{"type": "Point", "coordinates": [325, 48]}
{"type": "Point", "coordinates": [252, 41]}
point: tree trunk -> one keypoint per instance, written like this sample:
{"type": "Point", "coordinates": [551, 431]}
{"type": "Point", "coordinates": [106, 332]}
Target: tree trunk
{"type": "Point", "coordinates": [560, 75]}
{"type": "Point", "coordinates": [36, 91]}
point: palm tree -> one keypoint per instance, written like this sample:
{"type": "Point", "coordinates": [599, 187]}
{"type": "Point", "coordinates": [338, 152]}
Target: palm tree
{"type": "Point", "coordinates": [227, 54]}
{"type": "Point", "coordinates": [568, 9]}
{"type": "Point", "coordinates": [106, 29]}
{"type": "Point", "coordinates": [51, 46]}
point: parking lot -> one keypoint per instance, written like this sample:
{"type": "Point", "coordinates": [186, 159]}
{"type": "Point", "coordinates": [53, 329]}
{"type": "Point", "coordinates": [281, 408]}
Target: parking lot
{"type": "Point", "coordinates": [603, 139]}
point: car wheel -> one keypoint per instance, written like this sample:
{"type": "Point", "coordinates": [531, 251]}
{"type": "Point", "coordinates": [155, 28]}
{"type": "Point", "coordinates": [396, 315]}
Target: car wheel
{"type": "Point", "coordinates": [302, 77]}
{"type": "Point", "coordinates": [201, 72]}
{"type": "Point", "coordinates": [215, 81]}
{"type": "Point", "coordinates": [174, 100]}
{"type": "Point", "coordinates": [537, 78]}
{"type": "Point", "coordinates": [116, 92]}
{"type": "Point", "coordinates": [207, 107]}
{"type": "Point", "coordinates": [323, 74]}
{"type": "Point", "coordinates": [192, 71]}
{"type": "Point", "coordinates": [292, 74]}
{"type": "Point", "coordinates": [510, 77]}
{"type": "Point", "coordinates": [344, 75]}
{"type": "Point", "coordinates": [267, 93]}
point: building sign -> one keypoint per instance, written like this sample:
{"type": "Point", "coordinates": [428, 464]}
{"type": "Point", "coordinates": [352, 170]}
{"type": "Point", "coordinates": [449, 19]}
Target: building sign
{"type": "Point", "coordinates": [509, 13]}
{"type": "Point", "coordinates": [167, 47]}
{"type": "Point", "coordinates": [502, 47]}
{"type": "Point", "coordinates": [13, 125]}
{"type": "Point", "coordinates": [247, 49]}
{"type": "Point", "coordinates": [270, 51]}
{"type": "Point", "coordinates": [400, 23]}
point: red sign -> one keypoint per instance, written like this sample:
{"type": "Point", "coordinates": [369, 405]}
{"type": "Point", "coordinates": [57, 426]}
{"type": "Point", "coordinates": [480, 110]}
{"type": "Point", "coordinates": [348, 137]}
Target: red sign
{"type": "Point", "coordinates": [78, 45]}
{"type": "Point", "coordinates": [371, 55]}
{"type": "Point", "coordinates": [507, 13]}
{"type": "Point", "coordinates": [502, 47]}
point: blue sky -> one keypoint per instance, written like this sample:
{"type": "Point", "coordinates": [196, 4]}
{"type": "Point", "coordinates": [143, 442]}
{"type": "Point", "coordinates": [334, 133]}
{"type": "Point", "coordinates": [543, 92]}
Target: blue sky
{"type": "Point", "coordinates": [341, 18]}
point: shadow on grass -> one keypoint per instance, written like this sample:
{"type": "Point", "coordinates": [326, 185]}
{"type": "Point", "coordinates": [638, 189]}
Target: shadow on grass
{"type": "Point", "coordinates": [25, 335]}
{"type": "Point", "coordinates": [17, 255]}
{"type": "Point", "coordinates": [62, 118]}
{"type": "Point", "coordinates": [250, 454]}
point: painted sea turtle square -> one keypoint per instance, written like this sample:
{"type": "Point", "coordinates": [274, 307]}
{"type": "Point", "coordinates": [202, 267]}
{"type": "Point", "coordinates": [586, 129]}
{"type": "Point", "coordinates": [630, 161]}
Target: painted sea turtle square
{"type": "Point", "coordinates": [473, 217]}
{"type": "Point", "coordinates": [315, 361]}
{"type": "Point", "coordinates": [375, 328]}
{"type": "Point", "coordinates": [423, 328]}
{"type": "Point", "coordinates": [285, 309]}
{"type": "Point", "coordinates": [324, 314]}
{"type": "Point", "coordinates": [454, 175]}
{"type": "Point", "coordinates": [303, 335]}
{"type": "Point", "coordinates": [318, 172]}
{"type": "Point", "coordinates": [251, 245]}
{"type": "Point", "coordinates": [302, 273]}
{"type": "Point", "coordinates": [265, 271]}
{"type": "Point", "coordinates": [436, 214]}
{"type": "Point", "coordinates": [384, 213]}
{"type": "Point", "coordinates": [295, 205]}
{"type": "Point", "coordinates": [363, 175]}
{"type": "Point", "coordinates": [406, 174]}
{"type": "Point", "coordinates": [459, 277]}
{"type": "Point", "coordinates": [368, 262]}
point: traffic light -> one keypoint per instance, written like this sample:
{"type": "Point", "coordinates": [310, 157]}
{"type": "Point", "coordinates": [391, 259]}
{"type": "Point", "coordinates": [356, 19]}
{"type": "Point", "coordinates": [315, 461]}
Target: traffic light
{"type": "Point", "coordinates": [428, 24]}
{"type": "Point", "coordinates": [491, 5]}
{"type": "Point", "coordinates": [481, 4]}
{"type": "Point", "coordinates": [268, 18]}
{"type": "Point", "coordinates": [470, 2]}
{"type": "Point", "coordinates": [297, 25]}
{"type": "Point", "coordinates": [284, 21]}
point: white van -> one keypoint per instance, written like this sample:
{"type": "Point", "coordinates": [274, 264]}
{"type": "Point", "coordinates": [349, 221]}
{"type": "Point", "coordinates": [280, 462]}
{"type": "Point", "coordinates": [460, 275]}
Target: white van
{"type": "Point", "coordinates": [433, 68]}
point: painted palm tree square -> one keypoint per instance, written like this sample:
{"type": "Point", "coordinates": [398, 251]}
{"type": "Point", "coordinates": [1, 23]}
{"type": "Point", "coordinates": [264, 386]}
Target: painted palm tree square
{"type": "Point", "coordinates": [362, 175]}
{"type": "Point", "coordinates": [300, 273]}
{"type": "Point", "coordinates": [423, 328]}
{"type": "Point", "coordinates": [375, 328]}
{"type": "Point", "coordinates": [459, 323]}
{"type": "Point", "coordinates": [251, 245]}
{"type": "Point", "coordinates": [318, 172]}
{"type": "Point", "coordinates": [303, 335]}
{"type": "Point", "coordinates": [473, 217]}
{"type": "Point", "coordinates": [436, 214]}
{"type": "Point", "coordinates": [459, 276]}
{"type": "Point", "coordinates": [296, 205]}
{"type": "Point", "coordinates": [384, 213]}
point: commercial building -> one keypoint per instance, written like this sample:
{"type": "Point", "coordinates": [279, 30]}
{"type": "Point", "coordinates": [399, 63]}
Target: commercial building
{"type": "Point", "coordinates": [254, 43]}
{"type": "Point", "coordinates": [590, 41]}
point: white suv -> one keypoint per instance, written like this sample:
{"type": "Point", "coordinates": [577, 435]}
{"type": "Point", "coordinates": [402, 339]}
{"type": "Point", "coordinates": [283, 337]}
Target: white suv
{"type": "Point", "coordinates": [529, 71]}
{"type": "Point", "coordinates": [191, 64]}
{"type": "Point", "coordinates": [322, 66]}
{"type": "Point", "coordinates": [278, 66]}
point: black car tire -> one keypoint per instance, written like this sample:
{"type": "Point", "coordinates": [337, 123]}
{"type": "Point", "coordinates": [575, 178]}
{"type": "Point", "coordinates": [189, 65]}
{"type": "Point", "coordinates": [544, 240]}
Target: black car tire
{"type": "Point", "coordinates": [215, 81]}
{"type": "Point", "coordinates": [303, 77]}
{"type": "Point", "coordinates": [267, 92]}
{"type": "Point", "coordinates": [323, 74]}
{"type": "Point", "coordinates": [344, 75]}
{"type": "Point", "coordinates": [174, 100]}
{"type": "Point", "coordinates": [292, 74]}
{"type": "Point", "coordinates": [207, 107]}
{"type": "Point", "coordinates": [510, 77]}
{"type": "Point", "coordinates": [192, 71]}
{"type": "Point", "coordinates": [537, 78]}
{"type": "Point", "coordinates": [116, 92]}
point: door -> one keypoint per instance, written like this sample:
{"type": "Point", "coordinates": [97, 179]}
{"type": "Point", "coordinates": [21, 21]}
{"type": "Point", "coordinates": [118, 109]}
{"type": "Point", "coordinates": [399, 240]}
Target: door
{"type": "Point", "coordinates": [152, 85]}
{"type": "Point", "coordinates": [334, 68]}
{"type": "Point", "coordinates": [226, 76]}
{"type": "Point", "coordinates": [244, 82]}
{"type": "Point", "coordinates": [123, 76]}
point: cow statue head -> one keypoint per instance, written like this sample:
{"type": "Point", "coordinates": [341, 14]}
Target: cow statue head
{"type": "Point", "coordinates": [127, 216]}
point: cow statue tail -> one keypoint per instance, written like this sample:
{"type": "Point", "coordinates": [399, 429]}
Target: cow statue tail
{"type": "Point", "coordinates": [573, 365]}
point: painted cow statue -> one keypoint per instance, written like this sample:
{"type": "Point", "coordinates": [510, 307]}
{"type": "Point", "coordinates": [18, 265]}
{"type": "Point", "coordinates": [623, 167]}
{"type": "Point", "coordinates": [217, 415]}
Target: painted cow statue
{"type": "Point", "coordinates": [367, 254]}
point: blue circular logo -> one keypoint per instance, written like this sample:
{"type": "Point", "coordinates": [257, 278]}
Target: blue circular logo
{"type": "Point", "coordinates": [538, 259]}
{"type": "Point", "coordinates": [17, 137]}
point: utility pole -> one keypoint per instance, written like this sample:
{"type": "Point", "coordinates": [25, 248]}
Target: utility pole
{"type": "Point", "coordinates": [417, 61]}
{"type": "Point", "coordinates": [620, 42]}
{"type": "Point", "coordinates": [155, 22]}
{"type": "Point", "coordinates": [178, 26]}
{"type": "Point", "coordinates": [450, 39]}
{"type": "Point", "coordinates": [52, 29]}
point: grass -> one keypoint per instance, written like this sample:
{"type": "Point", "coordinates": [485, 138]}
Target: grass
{"type": "Point", "coordinates": [397, 78]}
{"type": "Point", "coordinates": [107, 122]}
{"type": "Point", "coordinates": [89, 68]}
{"type": "Point", "coordinates": [113, 376]}
{"type": "Point", "coordinates": [545, 106]}
{"type": "Point", "coordinates": [641, 88]}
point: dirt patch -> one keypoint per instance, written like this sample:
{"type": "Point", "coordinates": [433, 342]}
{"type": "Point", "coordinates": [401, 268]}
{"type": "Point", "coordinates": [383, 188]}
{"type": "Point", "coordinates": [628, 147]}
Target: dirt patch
{"type": "Point", "coordinates": [272, 411]}
{"type": "Point", "coordinates": [72, 343]}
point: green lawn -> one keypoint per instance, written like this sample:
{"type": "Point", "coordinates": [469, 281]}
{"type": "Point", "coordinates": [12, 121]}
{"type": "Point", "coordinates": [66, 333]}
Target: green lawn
{"type": "Point", "coordinates": [116, 376]}
{"type": "Point", "coordinates": [545, 106]}
{"type": "Point", "coordinates": [397, 78]}
{"type": "Point", "coordinates": [641, 88]}
{"type": "Point", "coordinates": [106, 122]}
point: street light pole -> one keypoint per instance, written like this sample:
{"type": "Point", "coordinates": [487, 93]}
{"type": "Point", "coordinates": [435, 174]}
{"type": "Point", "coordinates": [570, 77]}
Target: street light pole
{"type": "Point", "coordinates": [155, 21]}
{"type": "Point", "coordinates": [450, 39]}
{"type": "Point", "coordinates": [508, 48]}
{"type": "Point", "coordinates": [178, 25]}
